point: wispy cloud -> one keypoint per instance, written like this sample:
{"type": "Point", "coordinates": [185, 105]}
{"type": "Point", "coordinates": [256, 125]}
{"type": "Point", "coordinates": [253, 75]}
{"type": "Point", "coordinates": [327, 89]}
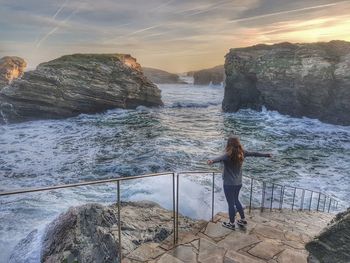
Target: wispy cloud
{"type": "Point", "coordinates": [61, 23]}
{"type": "Point", "coordinates": [59, 9]}
{"type": "Point", "coordinates": [143, 30]}
{"type": "Point", "coordinates": [172, 34]}
{"type": "Point", "coordinates": [285, 12]}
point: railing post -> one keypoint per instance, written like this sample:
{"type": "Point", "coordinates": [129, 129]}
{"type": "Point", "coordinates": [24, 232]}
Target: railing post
{"type": "Point", "coordinates": [336, 205]}
{"type": "Point", "coordinates": [263, 197]}
{"type": "Point", "coordinates": [324, 203]}
{"type": "Point", "coordinates": [251, 195]}
{"type": "Point", "coordinates": [318, 202]}
{"type": "Point", "coordinates": [302, 200]}
{"type": "Point", "coordinates": [174, 212]}
{"type": "Point", "coordinates": [295, 190]}
{"type": "Point", "coordinates": [312, 193]}
{"type": "Point", "coordinates": [329, 204]}
{"type": "Point", "coordinates": [281, 197]}
{"type": "Point", "coordinates": [271, 203]}
{"type": "Point", "coordinates": [119, 224]}
{"type": "Point", "coordinates": [212, 198]}
{"type": "Point", "coordinates": [177, 206]}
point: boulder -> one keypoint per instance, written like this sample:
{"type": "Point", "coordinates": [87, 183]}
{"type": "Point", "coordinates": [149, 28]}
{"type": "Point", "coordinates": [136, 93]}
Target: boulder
{"type": "Point", "coordinates": [332, 245]}
{"type": "Point", "coordinates": [161, 77]}
{"type": "Point", "coordinates": [215, 76]}
{"type": "Point", "coordinates": [311, 80]}
{"type": "Point", "coordinates": [89, 233]}
{"type": "Point", "coordinates": [75, 84]}
{"type": "Point", "coordinates": [11, 68]}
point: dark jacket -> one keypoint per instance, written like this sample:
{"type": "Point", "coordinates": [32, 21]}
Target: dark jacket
{"type": "Point", "coordinates": [232, 174]}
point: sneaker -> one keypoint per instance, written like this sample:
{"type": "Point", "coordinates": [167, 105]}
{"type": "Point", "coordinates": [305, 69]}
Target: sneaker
{"type": "Point", "coordinates": [242, 222]}
{"type": "Point", "coordinates": [228, 225]}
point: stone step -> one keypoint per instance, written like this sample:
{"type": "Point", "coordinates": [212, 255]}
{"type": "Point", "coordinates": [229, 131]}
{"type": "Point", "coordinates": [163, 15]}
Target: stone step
{"type": "Point", "coordinates": [273, 237]}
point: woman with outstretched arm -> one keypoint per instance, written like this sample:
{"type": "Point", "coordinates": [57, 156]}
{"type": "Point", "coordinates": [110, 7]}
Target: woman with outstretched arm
{"type": "Point", "coordinates": [232, 176]}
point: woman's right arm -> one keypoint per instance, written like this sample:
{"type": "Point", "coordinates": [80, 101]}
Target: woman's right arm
{"type": "Point", "coordinates": [217, 159]}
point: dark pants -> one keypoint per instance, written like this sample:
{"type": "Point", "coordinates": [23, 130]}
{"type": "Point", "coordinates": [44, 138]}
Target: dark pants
{"type": "Point", "coordinates": [232, 193]}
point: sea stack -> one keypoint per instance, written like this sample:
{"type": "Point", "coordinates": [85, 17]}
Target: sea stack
{"type": "Point", "coordinates": [214, 76]}
{"type": "Point", "coordinates": [79, 83]}
{"type": "Point", "coordinates": [159, 76]}
{"type": "Point", "coordinates": [311, 80]}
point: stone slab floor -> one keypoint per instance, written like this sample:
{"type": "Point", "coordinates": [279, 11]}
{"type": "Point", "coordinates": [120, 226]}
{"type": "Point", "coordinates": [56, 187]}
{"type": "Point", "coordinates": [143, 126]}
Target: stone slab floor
{"type": "Point", "coordinates": [272, 236]}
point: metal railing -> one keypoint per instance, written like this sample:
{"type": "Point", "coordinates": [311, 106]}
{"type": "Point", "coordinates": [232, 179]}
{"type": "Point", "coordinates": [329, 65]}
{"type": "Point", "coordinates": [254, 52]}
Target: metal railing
{"type": "Point", "coordinates": [253, 187]}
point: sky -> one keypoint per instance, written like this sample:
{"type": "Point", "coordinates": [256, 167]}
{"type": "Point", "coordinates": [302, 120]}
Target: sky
{"type": "Point", "coordinates": [174, 35]}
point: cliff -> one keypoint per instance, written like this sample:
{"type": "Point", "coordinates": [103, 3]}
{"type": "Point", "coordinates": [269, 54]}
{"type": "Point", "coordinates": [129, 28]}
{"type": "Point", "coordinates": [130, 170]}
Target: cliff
{"type": "Point", "coordinates": [80, 83]}
{"type": "Point", "coordinates": [332, 245]}
{"type": "Point", "coordinates": [311, 80]}
{"type": "Point", "coordinates": [215, 76]}
{"type": "Point", "coordinates": [161, 77]}
{"type": "Point", "coordinates": [11, 68]}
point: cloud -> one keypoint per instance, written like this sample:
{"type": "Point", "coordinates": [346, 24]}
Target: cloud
{"type": "Point", "coordinates": [175, 34]}
{"type": "Point", "coordinates": [61, 23]}
{"type": "Point", "coordinates": [258, 17]}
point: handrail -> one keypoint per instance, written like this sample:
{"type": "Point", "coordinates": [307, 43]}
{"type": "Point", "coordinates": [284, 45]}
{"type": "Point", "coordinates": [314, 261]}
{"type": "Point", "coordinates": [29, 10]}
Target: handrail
{"type": "Point", "coordinates": [112, 180]}
{"type": "Point", "coordinates": [175, 190]}
{"type": "Point", "coordinates": [260, 180]}
{"type": "Point", "coordinates": [126, 178]}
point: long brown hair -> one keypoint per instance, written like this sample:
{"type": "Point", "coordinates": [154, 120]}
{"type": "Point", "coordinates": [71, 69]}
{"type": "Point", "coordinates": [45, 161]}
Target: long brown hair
{"type": "Point", "coordinates": [234, 150]}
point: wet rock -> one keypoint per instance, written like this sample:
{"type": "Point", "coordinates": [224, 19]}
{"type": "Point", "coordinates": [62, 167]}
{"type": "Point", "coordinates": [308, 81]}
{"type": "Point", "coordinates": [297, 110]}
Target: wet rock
{"type": "Point", "coordinates": [11, 68]}
{"type": "Point", "coordinates": [80, 83]}
{"type": "Point", "coordinates": [215, 76]}
{"type": "Point", "coordinates": [89, 233]}
{"type": "Point", "coordinates": [332, 245]}
{"type": "Point", "coordinates": [311, 80]}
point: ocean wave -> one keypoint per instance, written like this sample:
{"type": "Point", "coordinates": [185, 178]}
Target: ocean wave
{"type": "Point", "coordinates": [179, 136]}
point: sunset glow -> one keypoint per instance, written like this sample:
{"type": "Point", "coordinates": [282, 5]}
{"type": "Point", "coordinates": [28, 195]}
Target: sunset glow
{"type": "Point", "coordinates": [173, 35]}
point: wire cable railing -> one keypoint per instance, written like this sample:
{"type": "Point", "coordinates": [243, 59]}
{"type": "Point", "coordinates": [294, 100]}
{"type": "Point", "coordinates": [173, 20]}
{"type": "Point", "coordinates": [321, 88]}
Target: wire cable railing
{"type": "Point", "coordinates": [262, 195]}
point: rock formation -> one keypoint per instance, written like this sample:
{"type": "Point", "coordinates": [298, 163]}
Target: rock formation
{"type": "Point", "coordinates": [11, 68]}
{"type": "Point", "coordinates": [215, 76]}
{"type": "Point", "coordinates": [161, 77]}
{"type": "Point", "coordinates": [89, 233]}
{"type": "Point", "coordinates": [311, 80]}
{"type": "Point", "coordinates": [333, 243]}
{"type": "Point", "coordinates": [80, 83]}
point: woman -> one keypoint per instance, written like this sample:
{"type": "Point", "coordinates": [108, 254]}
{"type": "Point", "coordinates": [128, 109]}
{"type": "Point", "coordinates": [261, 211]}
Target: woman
{"type": "Point", "coordinates": [233, 159]}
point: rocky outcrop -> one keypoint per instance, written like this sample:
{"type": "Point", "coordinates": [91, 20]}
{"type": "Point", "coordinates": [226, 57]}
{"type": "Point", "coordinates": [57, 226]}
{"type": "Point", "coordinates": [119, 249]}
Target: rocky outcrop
{"type": "Point", "coordinates": [333, 243]}
{"type": "Point", "coordinates": [80, 83]}
{"type": "Point", "coordinates": [89, 233]}
{"type": "Point", "coordinates": [215, 76]}
{"type": "Point", "coordinates": [11, 68]}
{"type": "Point", "coordinates": [161, 77]}
{"type": "Point", "coordinates": [311, 80]}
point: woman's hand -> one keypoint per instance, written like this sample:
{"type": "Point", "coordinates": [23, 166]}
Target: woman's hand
{"type": "Point", "coordinates": [210, 162]}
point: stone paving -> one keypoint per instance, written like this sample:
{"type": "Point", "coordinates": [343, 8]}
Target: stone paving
{"type": "Point", "coordinates": [273, 237]}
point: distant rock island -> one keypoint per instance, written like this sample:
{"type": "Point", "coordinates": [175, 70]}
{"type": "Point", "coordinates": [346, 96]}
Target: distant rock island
{"type": "Point", "coordinates": [79, 83]}
{"type": "Point", "coordinates": [215, 76]}
{"type": "Point", "coordinates": [311, 80]}
{"type": "Point", "coordinates": [159, 76]}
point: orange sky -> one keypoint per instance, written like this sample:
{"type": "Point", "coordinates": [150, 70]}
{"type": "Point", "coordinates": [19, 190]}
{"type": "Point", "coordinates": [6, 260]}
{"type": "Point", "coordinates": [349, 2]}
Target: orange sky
{"type": "Point", "coordinates": [174, 35]}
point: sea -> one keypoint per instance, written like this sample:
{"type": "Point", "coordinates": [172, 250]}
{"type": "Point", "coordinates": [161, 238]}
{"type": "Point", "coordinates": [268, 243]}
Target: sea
{"type": "Point", "coordinates": [181, 136]}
